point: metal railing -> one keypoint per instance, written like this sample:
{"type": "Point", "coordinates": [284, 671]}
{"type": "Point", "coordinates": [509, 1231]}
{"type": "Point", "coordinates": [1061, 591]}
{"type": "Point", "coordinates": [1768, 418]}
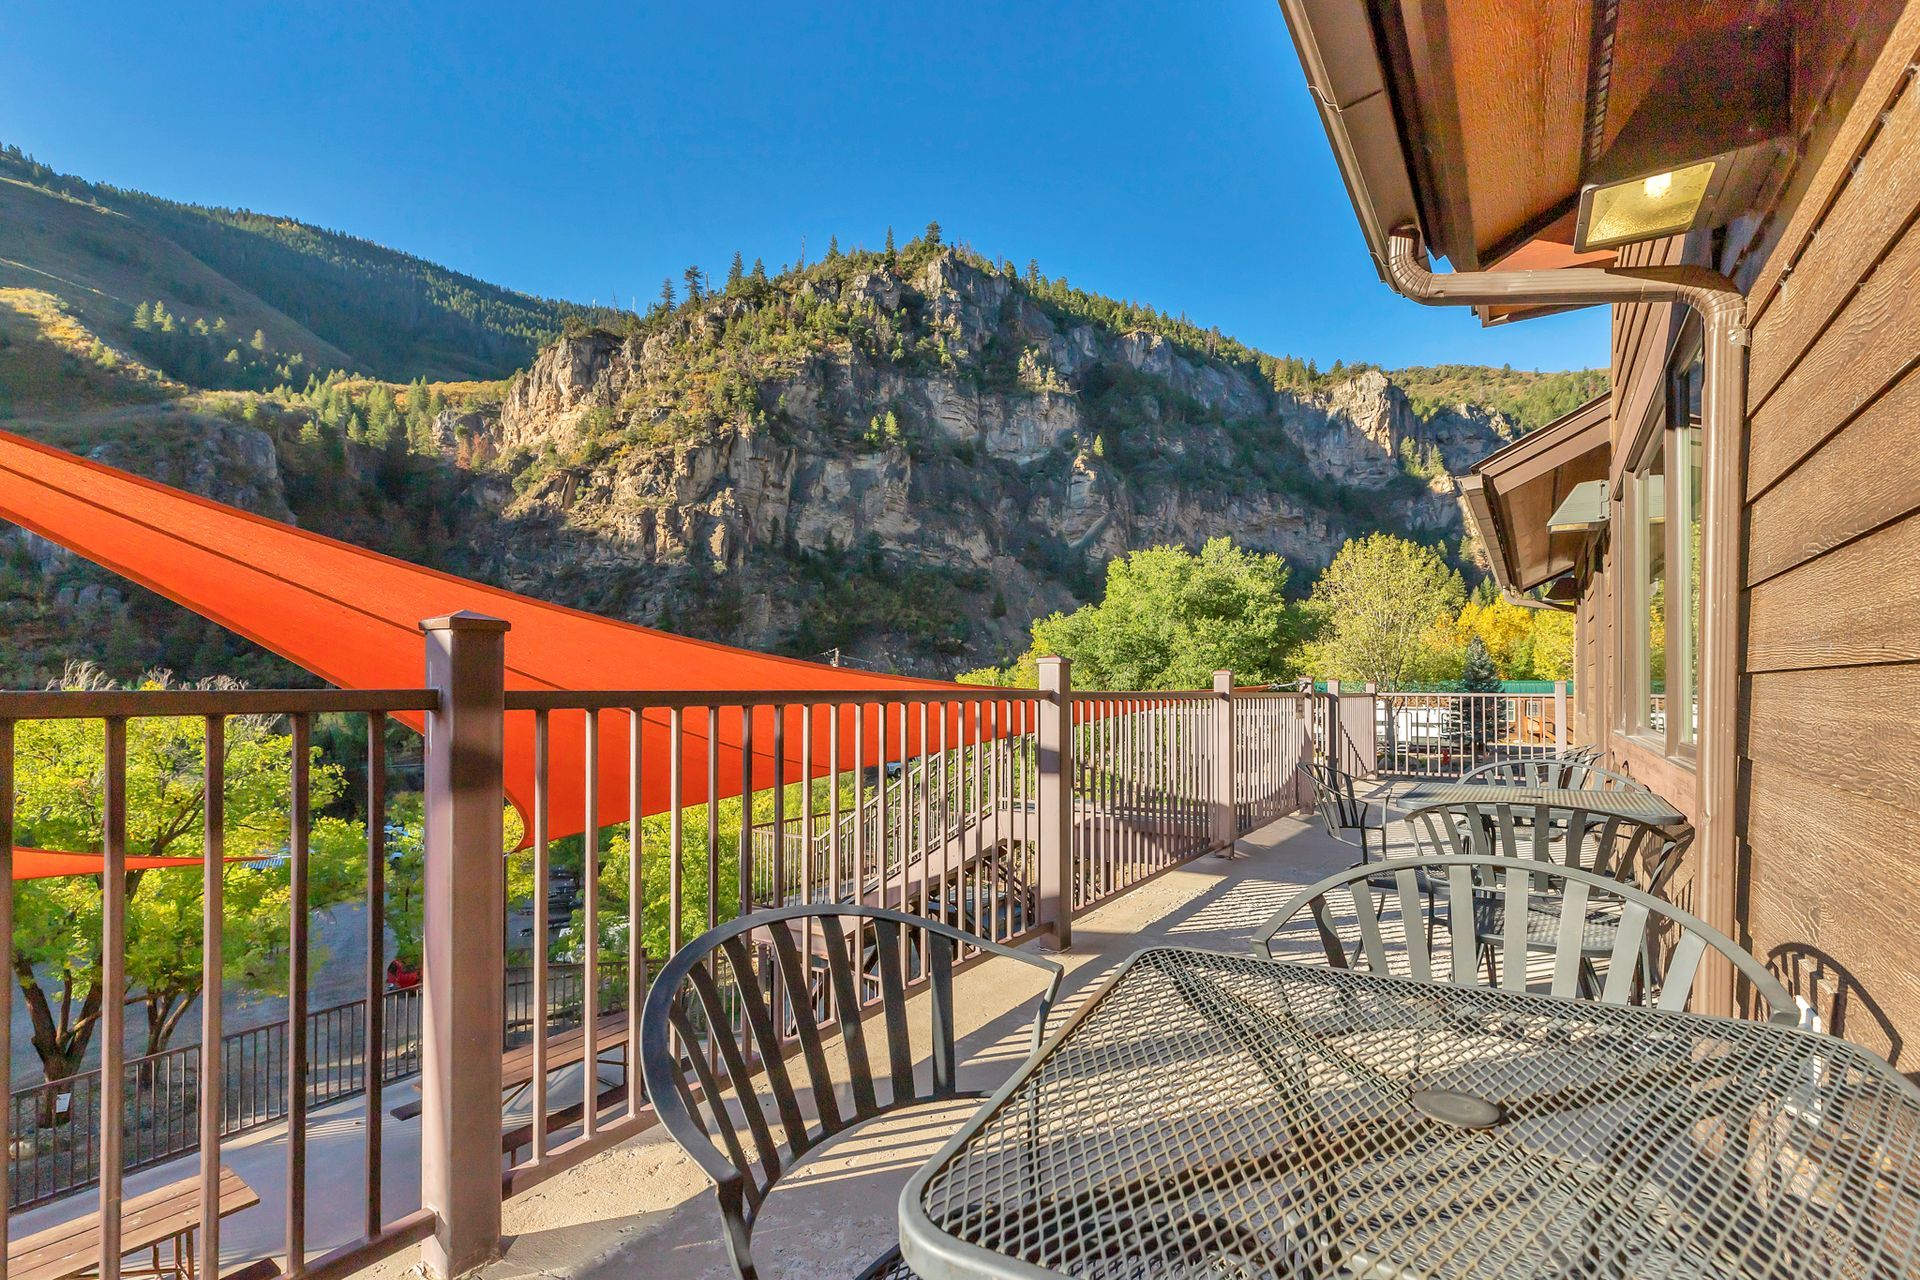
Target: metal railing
{"type": "Point", "coordinates": [1002, 812]}
{"type": "Point", "coordinates": [1273, 734]}
{"type": "Point", "coordinates": [55, 1126]}
{"type": "Point", "coordinates": [1143, 787]}
{"type": "Point", "coordinates": [113, 1095]}
{"type": "Point", "coordinates": [1445, 735]}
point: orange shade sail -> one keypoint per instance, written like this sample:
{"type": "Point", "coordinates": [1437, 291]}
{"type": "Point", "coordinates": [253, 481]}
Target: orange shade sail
{"type": "Point", "coordinates": [351, 616]}
{"type": "Point", "coordinates": [45, 864]}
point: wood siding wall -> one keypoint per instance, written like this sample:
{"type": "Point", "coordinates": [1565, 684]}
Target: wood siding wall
{"type": "Point", "coordinates": [1830, 748]}
{"type": "Point", "coordinates": [1829, 742]}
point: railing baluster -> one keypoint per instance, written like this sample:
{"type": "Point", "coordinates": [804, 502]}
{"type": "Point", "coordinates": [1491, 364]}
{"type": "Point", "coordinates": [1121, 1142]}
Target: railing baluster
{"type": "Point", "coordinates": [374, 1030]}
{"type": "Point", "coordinates": [542, 899]}
{"type": "Point", "coordinates": [745, 869]}
{"type": "Point", "coordinates": [860, 801]}
{"type": "Point", "coordinates": [779, 897]}
{"type": "Point", "coordinates": [636, 910]}
{"type": "Point", "coordinates": [590, 920]}
{"type": "Point", "coordinates": [926, 806]}
{"type": "Point", "coordinates": [676, 822]}
{"type": "Point", "coordinates": [213, 773]}
{"type": "Point", "coordinates": [297, 964]}
{"type": "Point", "coordinates": [113, 980]}
{"type": "Point", "coordinates": [8, 1129]}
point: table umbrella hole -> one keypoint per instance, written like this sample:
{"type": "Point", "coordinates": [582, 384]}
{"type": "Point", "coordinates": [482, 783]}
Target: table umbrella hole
{"type": "Point", "coordinates": [1461, 1110]}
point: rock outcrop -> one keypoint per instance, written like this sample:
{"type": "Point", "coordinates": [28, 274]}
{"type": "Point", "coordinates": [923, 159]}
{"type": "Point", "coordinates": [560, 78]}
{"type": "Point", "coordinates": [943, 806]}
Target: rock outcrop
{"type": "Point", "coordinates": [695, 483]}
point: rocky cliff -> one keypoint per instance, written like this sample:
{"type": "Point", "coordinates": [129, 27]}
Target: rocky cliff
{"type": "Point", "coordinates": [906, 458]}
{"type": "Point", "coordinates": [956, 436]}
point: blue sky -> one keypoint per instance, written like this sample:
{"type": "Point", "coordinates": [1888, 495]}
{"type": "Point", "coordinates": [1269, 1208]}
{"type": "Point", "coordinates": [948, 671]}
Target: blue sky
{"type": "Point", "coordinates": [1163, 152]}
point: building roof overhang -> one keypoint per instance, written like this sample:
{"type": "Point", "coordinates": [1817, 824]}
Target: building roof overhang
{"type": "Point", "coordinates": [1512, 495]}
{"type": "Point", "coordinates": [1479, 122]}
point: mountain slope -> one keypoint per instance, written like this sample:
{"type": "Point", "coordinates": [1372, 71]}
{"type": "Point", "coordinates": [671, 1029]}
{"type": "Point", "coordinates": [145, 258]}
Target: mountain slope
{"type": "Point", "coordinates": [905, 456]}
{"type": "Point", "coordinates": [909, 456]}
{"type": "Point", "coordinates": [339, 301]}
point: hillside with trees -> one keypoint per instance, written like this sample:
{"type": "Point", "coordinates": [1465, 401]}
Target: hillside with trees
{"type": "Point", "coordinates": [899, 455]}
{"type": "Point", "coordinates": [336, 300]}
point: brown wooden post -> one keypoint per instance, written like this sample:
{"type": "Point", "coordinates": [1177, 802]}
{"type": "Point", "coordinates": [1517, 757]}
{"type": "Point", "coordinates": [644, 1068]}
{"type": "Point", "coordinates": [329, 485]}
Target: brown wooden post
{"type": "Point", "coordinates": [1053, 740]}
{"type": "Point", "coordinates": [1336, 731]}
{"type": "Point", "coordinates": [1226, 825]}
{"type": "Point", "coordinates": [1561, 738]}
{"type": "Point", "coordinates": [464, 964]}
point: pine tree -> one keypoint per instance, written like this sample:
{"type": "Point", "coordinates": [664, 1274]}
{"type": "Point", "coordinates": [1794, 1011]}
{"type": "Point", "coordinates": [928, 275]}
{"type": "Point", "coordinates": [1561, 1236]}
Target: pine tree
{"type": "Point", "coordinates": [1476, 672]}
{"type": "Point", "coordinates": [759, 272]}
{"type": "Point", "coordinates": [889, 248]}
{"type": "Point", "coordinates": [695, 291]}
{"type": "Point", "coordinates": [1033, 273]}
{"type": "Point", "coordinates": [736, 273]}
{"type": "Point", "coordinates": [933, 234]}
{"type": "Point", "coordinates": [833, 247]}
{"type": "Point", "coordinates": [259, 341]}
{"type": "Point", "coordinates": [143, 316]}
{"type": "Point", "coordinates": [666, 293]}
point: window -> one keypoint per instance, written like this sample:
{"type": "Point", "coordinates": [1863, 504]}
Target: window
{"type": "Point", "coordinates": [1650, 621]}
{"type": "Point", "coordinates": [1662, 675]}
{"type": "Point", "coordinates": [1687, 491]}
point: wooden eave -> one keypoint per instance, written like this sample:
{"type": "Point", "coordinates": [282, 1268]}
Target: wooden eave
{"type": "Point", "coordinates": [1479, 121]}
{"type": "Point", "coordinates": [1511, 494]}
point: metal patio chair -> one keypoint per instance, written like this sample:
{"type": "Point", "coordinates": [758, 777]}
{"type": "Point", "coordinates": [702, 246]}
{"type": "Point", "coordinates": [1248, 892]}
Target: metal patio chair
{"type": "Point", "coordinates": [722, 1021]}
{"type": "Point", "coordinates": [1338, 805]}
{"type": "Point", "coordinates": [1637, 964]}
{"type": "Point", "coordinates": [1622, 849]}
{"type": "Point", "coordinates": [1341, 809]}
{"type": "Point", "coordinates": [1563, 772]}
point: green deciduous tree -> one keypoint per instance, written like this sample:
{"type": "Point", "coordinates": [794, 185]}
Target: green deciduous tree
{"type": "Point", "coordinates": [1376, 606]}
{"type": "Point", "coordinates": [1170, 618]}
{"type": "Point", "coordinates": [59, 771]}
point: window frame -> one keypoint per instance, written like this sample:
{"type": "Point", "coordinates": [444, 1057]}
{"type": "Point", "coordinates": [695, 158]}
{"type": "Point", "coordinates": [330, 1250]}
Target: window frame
{"type": "Point", "coordinates": [1659, 438]}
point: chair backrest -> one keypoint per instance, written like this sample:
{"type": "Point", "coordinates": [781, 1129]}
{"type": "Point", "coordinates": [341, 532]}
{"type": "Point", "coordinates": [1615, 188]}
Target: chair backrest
{"type": "Point", "coordinates": [1551, 771]}
{"type": "Point", "coordinates": [1350, 930]}
{"type": "Point", "coordinates": [1624, 849]}
{"type": "Point", "coordinates": [726, 1013]}
{"type": "Point", "coordinates": [1334, 798]}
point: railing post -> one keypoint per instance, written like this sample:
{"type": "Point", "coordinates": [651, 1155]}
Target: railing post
{"type": "Point", "coordinates": [1226, 825]}
{"type": "Point", "coordinates": [1560, 735]}
{"type": "Point", "coordinates": [1054, 743]}
{"type": "Point", "coordinates": [1366, 744]}
{"type": "Point", "coordinates": [463, 974]}
{"type": "Point", "coordinates": [1336, 731]}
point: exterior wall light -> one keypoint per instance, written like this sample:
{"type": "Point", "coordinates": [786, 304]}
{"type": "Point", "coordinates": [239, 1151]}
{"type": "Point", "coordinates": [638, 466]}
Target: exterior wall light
{"type": "Point", "coordinates": [1645, 207]}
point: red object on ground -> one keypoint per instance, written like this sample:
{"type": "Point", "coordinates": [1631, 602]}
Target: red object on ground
{"type": "Point", "coordinates": [351, 617]}
{"type": "Point", "coordinates": [402, 976]}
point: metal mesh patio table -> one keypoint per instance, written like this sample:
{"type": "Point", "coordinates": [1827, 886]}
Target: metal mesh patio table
{"type": "Point", "coordinates": [1644, 806]}
{"type": "Point", "coordinates": [1209, 1115]}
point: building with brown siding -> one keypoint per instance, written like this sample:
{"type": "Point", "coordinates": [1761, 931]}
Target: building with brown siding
{"type": "Point", "coordinates": [1737, 525]}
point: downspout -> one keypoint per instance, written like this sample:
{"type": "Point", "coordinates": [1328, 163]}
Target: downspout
{"type": "Point", "coordinates": [1722, 310]}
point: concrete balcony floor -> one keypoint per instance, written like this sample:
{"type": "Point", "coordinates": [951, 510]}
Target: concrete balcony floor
{"type": "Point", "coordinates": [643, 1209]}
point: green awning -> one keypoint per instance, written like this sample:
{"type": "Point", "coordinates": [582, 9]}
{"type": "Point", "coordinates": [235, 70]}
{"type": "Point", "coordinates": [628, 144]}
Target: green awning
{"type": "Point", "coordinates": [1584, 509]}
